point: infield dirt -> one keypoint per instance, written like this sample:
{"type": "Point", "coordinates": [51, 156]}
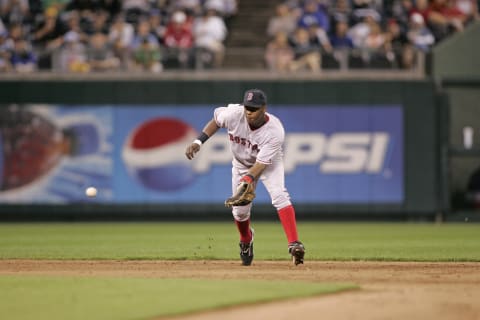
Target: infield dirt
{"type": "Point", "coordinates": [388, 290]}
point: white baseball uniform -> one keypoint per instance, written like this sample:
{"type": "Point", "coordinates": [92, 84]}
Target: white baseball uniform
{"type": "Point", "coordinates": [264, 144]}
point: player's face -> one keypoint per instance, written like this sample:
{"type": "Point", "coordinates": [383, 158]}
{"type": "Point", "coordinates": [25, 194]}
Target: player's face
{"type": "Point", "coordinates": [255, 116]}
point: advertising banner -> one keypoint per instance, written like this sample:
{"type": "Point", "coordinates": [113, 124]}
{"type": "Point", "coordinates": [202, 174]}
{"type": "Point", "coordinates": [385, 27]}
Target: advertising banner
{"type": "Point", "coordinates": [135, 154]}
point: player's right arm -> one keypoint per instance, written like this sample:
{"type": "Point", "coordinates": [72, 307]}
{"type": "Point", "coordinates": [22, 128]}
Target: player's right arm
{"type": "Point", "coordinates": [209, 130]}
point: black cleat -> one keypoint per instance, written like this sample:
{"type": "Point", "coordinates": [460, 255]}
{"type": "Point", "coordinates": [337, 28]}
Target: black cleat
{"type": "Point", "coordinates": [297, 250]}
{"type": "Point", "coordinates": [246, 251]}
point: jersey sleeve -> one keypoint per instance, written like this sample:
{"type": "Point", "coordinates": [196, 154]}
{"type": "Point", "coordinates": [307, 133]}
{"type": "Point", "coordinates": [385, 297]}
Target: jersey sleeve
{"type": "Point", "coordinates": [220, 115]}
{"type": "Point", "coordinates": [224, 115]}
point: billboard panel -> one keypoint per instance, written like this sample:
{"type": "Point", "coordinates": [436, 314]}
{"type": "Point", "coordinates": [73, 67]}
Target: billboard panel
{"type": "Point", "coordinates": [135, 154]}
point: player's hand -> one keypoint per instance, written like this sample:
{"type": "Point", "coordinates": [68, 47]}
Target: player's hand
{"type": "Point", "coordinates": [191, 150]}
{"type": "Point", "coordinates": [244, 194]}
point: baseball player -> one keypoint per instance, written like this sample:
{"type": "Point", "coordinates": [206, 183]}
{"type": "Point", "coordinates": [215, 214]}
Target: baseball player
{"type": "Point", "coordinates": [256, 139]}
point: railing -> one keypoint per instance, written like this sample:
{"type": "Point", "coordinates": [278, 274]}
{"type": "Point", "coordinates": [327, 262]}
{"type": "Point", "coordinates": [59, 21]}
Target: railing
{"type": "Point", "coordinates": [340, 64]}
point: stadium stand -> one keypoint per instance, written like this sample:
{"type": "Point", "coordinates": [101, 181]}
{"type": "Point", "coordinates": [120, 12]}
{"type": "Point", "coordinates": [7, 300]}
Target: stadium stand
{"type": "Point", "coordinates": [84, 36]}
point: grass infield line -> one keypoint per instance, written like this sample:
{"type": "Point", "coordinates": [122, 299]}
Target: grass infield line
{"type": "Point", "coordinates": [54, 297]}
{"type": "Point", "coordinates": [219, 241]}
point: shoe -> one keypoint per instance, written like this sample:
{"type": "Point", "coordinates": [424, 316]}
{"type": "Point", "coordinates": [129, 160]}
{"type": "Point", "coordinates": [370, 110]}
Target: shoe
{"type": "Point", "coordinates": [246, 251]}
{"type": "Point", "coordinates": [297, 250]}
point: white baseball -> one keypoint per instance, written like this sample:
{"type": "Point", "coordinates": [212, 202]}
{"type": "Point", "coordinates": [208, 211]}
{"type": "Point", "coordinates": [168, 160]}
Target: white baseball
{"type": "Point", "coordinates": [91, 192]}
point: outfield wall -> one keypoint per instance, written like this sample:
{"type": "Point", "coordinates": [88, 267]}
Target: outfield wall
{"type": "Point", "coordinates": [356, 148]}
{"type": "Point", "coordinates": [463, 154]}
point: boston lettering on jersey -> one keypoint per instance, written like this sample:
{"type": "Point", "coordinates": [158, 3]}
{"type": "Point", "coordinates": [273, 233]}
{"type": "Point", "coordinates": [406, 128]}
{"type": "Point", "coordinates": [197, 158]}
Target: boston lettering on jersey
{"type": "Point", "coordinates": [243, 142]}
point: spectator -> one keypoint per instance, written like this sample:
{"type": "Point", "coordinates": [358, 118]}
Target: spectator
{"type": "Point", "coordinates": [444, 19]}
{"type": "Point", "coordinates": [377, 49]}
{"type": "Point", "coordinates": [402, 9]}
{"type": "Point", "coordinates": [143, 34]}
{"type": "Point", "coordinates": [100, 22]}
{"type": "Point", "coordinates": [397, 40]}
{"type": "Point", "coordinates": [50, 29]}
{"type": "Point", "coordinates": [209, 33]}
{"type": "Point", "coordinates": [189, 7]}
{"type": "Point", "coordinates": [162, 7]}
{"type": "Point", "coordinates": [48, 37]}
{"type": "Point", "coordinates": [226, 9]}
{"type": "Point", "coordinates": [5, 53]}
{"type": "Point", "coordinates": [279, 55]}
{"type": "Point", "coordinates": [341, 11]}
{"type": "Point", "coordinates": [59, 5]}
{"type": "Point", "coordinates": [121, 36]}
{"type": "Point", "coordinates": [74, 23]}
{"type": "Point", "coordinates": [363, 8]}
{"type": "Point", "coordinates": [83, 14]}
{"type": "Point", "coordinates": [342, 45]}
{"type": "Point", "coordinates": [179, 39]}
{"type": "Point", "coordinates": [340, 39]}
{"type": "Point", "coordinates": [99, 54]}
{"type": "Point", "coordinates": [14, 11]}
{"type": "Point", "coordinates": [112, 7]}
{"type": "Point", "coordinates": [419, 35]}
{"type": "Point", "coordinates": [283, 22]}
{"type": "Point", "coordinates": [421, 7]}
{"type": "Point", "coordinates": [72, 55]}
{"type": "Point", "coordinates": [15, 32]}
{"type": "Point", "coordinates": [313, 13]}
{"type": "Point", "coordinates": [319, 38]}
{"type": "Point", "coordinates": [35, 12]}
{"type": "Point", "coordinates": [469, 8]}
{"type": "Point", "coordinates": [2, 26]}
{"type": "Point", "coordinates": [360, 31]}
{"type": "Point", "coordinates": [157, 28]}
{"type": "Point", "coordinates": [295, 5]}
{"type": "Point", "coordinates": [23, 59]}
{"type": "Point", "coordinates": [84, 8]}
{"type": "Point", "coordinates": [134, 9]}
{"type": "Point", "coordinates": [147, 57]}
{"type": "Point", "coordinates": [306, 54]}
{"type": "Point", "coordinates": [375, 39]}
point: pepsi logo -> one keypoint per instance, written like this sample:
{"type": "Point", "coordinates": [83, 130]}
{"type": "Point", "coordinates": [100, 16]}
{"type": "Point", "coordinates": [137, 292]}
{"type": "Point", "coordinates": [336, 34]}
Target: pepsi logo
{"type": "Point", "coordinates": [154, 154]}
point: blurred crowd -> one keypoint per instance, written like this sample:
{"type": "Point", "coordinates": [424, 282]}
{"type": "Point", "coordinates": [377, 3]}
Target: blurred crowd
{"type": "Point", "coordinates": [317, 34]}
{"type": "Point", "coordinates": [114, 35]}
{"type": "Point", "coordinates": [153, 35]}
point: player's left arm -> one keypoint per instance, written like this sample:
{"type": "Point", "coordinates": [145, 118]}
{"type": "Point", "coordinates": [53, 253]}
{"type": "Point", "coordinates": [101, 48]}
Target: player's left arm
{"type": "Point", "coordinates": [256, 170]}
{"type": "Point", "coordinates": [265, 157]}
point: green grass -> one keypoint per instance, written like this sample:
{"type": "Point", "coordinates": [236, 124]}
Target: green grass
{"type": "Point", "coordinates": [73, 298]}
{"type": "Point", "coordinates": [324, 241]}
{"type": "Point", "coordinates": [56, 297]}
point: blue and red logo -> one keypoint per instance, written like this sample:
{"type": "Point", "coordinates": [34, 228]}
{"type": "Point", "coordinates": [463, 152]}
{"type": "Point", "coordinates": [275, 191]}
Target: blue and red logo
{"type": "Point", "coordinates": [154, 154]}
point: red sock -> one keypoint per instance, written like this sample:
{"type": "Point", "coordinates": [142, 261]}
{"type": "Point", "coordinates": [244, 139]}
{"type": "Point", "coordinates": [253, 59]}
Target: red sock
{"type": "Point", "coordinates": [244, 229]}
{"type": "Point", "coordinates": [287, 218]}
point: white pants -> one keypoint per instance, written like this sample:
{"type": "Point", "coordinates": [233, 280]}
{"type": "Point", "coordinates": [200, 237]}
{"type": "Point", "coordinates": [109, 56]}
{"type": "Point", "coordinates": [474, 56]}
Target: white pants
{"type": "Point", "coordinates": [273, 178]}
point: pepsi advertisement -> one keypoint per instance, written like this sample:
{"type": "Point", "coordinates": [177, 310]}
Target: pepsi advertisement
{"type": "Point", "coordinates": [136, 154]}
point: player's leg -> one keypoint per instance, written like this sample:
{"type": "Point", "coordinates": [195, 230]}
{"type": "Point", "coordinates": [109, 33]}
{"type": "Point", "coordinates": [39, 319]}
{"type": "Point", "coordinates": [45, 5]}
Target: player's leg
{"type": "Point", "coordinates": [241, 216]}
{"type": "Point", "coordinates": [273, 179]}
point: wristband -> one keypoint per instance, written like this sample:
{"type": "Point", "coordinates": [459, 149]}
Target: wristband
{"type": "Point", "coordinates": [202, 137]}
{"type": "Point", "coordinates": [247, 178]}
{"type": "Point", "coordinates": [197, 141]}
